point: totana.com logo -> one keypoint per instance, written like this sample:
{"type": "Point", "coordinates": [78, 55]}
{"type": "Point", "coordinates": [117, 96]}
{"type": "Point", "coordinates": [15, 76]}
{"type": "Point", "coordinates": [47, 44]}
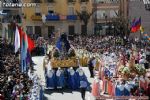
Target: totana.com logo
{"type": "Point", "coordinates": [16, 5]}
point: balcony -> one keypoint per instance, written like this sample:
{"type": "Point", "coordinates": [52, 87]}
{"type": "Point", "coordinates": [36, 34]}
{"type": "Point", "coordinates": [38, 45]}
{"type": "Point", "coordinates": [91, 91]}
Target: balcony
{"type": "Point", "coordinates": [52, 17]}
{"type": "Point", "coordinates": [10, 18]}
{"type": "Point", "coordinates": [72, 17]}
{"type": "Point", "coordinates": [62, 17]}
{"type": "Point", "coordinates": [36, 17]}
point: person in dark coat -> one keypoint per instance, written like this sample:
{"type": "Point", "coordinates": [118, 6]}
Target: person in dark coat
{"type": "Point", "coordinates": [91, 67]}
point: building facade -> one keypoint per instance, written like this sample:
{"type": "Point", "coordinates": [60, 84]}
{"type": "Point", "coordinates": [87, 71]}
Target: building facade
{"type": "Point", "coordinates": [106, 12]}
{"type": "Point", "coordinates": [137, 9]}
{"type": "Point", "coordinates": [9, 15]}
{"type": "Point", "coordinates": [58, 14]}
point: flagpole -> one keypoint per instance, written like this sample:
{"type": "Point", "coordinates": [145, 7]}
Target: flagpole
{"type": "Point", "coordinates": [141, 34]}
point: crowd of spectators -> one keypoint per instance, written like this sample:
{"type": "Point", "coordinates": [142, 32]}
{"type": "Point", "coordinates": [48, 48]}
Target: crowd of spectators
{"type": "Point", "coordinates": [100, 44]}
{"type": "Point", "coordinates": [13, 83]}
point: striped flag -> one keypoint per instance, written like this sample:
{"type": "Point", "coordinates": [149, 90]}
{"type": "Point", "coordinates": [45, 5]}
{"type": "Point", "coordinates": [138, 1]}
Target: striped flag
{"type": "Point", "coordinates": [136, 25]}
{"type": "Point", "coordinates": [24, 47]}
{"type": "Point", "coordinates": [17, 39]}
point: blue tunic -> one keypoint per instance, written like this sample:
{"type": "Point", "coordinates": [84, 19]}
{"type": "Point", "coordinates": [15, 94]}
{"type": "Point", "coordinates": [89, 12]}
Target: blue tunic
{"type": "Point", "coordinates": [119, 91]}
{"type": "Point", "coordinates": [72, 81]}
{"type": "Point", "coordinates": [61, 80]}
{"type": "Point", "coordinates": [81, 78]}
{"type": "Point", "coordinates": [50, 80]}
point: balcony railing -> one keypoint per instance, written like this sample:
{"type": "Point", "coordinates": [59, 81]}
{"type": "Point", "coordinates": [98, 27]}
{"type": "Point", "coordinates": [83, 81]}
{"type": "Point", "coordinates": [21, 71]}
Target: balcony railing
{"type": "Point", "coordinates": [10, 18]}
{"type": "Point", "coordinates": [72, 17]}
{"type": "Point", "coordinates": [62, 17]}
{"type": "Point", "coordinates": [52, 17]}
{"type": "Point", "coordinates": [36, 17]}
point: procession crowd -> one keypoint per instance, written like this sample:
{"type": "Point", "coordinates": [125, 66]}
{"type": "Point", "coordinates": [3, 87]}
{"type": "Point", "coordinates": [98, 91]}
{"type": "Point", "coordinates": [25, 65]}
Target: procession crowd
{"type": "Point", "coordinates": [13, 83]}
{"type": "Point", "coordinates": [110, 49]}
{"type": "Point", "coordinates": [114, 52]}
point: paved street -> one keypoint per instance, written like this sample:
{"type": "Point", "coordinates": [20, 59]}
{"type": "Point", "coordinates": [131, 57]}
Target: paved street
{"type": "Point", "coordinates": [59, 95]}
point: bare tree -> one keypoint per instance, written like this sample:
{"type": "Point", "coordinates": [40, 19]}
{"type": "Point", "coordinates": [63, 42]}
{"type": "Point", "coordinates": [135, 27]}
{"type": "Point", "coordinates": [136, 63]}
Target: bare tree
{"type": "Point", "coordinates": [84, 16]}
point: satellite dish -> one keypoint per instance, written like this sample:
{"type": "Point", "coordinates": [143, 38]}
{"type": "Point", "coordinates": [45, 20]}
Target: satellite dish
{"type": "Point", "coordinates": [43, 18]}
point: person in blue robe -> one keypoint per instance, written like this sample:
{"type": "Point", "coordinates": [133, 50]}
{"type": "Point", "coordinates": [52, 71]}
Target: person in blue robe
{"type": "Point", "coordinates": [119, 90]}
{"type": "Point", "coordinates": [72, 79]}
{"type": "Point", "coordinates": [81, 77]}
{"type": "Point", "coordinates": [127, 90]}
{"type": "Point", "coordinates": [50, 79]}
{"type": "Point", "coordinates": [60, 78]}
{"type": "Point", "coordinates": [66, 77]}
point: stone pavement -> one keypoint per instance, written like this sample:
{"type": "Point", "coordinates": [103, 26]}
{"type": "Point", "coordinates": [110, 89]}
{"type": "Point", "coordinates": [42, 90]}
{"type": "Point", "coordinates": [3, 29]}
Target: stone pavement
{"type": "Point", "coordinates": [59, 94]}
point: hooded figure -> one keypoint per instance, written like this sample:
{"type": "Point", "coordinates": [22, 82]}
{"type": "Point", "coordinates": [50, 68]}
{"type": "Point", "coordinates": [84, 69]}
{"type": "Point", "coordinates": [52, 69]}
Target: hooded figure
{"type": "Point", "coordinates": [50, 79]}
{"type": "Point", "coordinates": [80, 76]}
{"type": "Point", "coordinates": [72, 79]}
{"type": "Point", "coordinates": [119, 89]}
{"type": "Point", "coordinates": [127, 89]}
{"type": "Point", "coordinates": [60, 78]}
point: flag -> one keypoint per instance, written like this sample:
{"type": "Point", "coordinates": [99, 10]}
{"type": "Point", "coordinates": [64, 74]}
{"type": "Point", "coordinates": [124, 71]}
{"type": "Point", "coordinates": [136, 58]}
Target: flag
{"type": "Point", "coordinates": [24, 46]}
{"type": "Point", "coordinates": [21, 34]}
{"type": "Point", "coordinates": [27, 45]}
{"type": "Point", "coordinates": [136, 25]}
{"type": "Point", "coordinates": [17, 39]}
{"type": "Point", "coordinates": [31, 44]}
{"type": "Point", "coordinates": [142, 29]}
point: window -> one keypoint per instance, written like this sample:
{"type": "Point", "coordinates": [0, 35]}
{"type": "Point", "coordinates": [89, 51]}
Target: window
{"type": "Point", "coordinates": [113, 13]}
{"type": "Point", "coordinates": [36, 1]}
{"type": "Point", "coordinates": [50, 10]}
{"type": "Point", "coordinates": [37, 10]}
{"type": "Point", "coordinates": [29, 30]}
{"type": "Point", "coordinates": [71, 29]}
{"type": "Point", "coordinates": [71, 0]}
{"type": "Point", "coordinates": [38, 31]}
{"type": "Point", "coordinates": [83, 29]}
{"type": "Point", "coordinates": [71, 11]}
{"type": "Point", "coordinates": [84, 0]}
{"type": "Point", "coordinates": [51, 30]}
{"type": "Point", "coordinates": [50, 1]}
{"type": "Point", "coordinates": [101, 14]}
{"type": "Point", "coordinates": [107, 1]}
